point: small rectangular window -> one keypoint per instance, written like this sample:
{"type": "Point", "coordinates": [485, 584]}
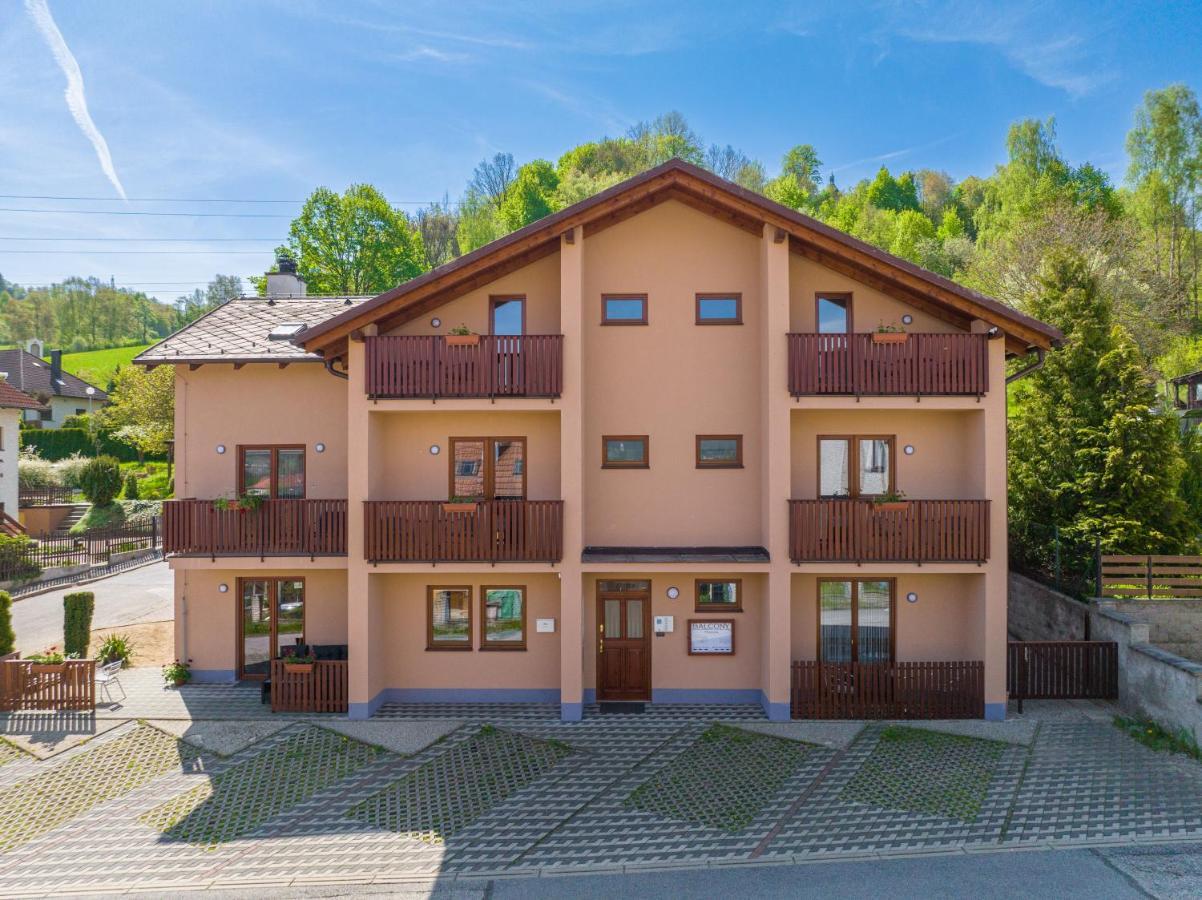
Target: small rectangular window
{"type": "Point", "coordinates": [719, 451]}
{"type": "Point", "coordinates": [833, 313]}
{"type": "Point", "coordinates": [623, 309]}
{"type": "Point", "coordinates": [450, 618]}
{"type": "Point", "coordinates": [725, 596]}
{"type": "Point", "coordinates": [719, 309]}
{"type": "Point", "coordinates": [503, 614]}
{"type": "Point", "coordinates": [277, 472]}
{"type": "Point", "coordinates": [625, 451]}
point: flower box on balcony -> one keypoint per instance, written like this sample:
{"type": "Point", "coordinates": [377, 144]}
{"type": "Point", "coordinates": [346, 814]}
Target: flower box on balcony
{"type": "Point", "coordinates": [47, 668]}
{"type": "Point", "coordinates": [457, 506]}
{"type": "Point", "coordinates": [298, 668]}
{"type": "Point", "coordinates": [889, 337]}
{"type": "Point", "coordinates": [463, 340]}
{"type": "Point", "coordinates": [892, 505]}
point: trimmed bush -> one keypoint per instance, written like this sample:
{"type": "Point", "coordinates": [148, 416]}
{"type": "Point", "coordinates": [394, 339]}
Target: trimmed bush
{"type": "Point", "coordinates": [16, 558]}
{"type": "Point", "coordinates": [77, 623]}
{"type": "Point", "coordinates": [8, 639]}
{"type": "Point", "coordinates": [131, 486]}
{"type": "Point", "coordinates": [100, 480]}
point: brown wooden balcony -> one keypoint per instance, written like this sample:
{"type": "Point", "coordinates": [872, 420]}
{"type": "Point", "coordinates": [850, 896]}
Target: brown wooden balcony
{"type": "Point", "coordinates": [846, 530]}
{"type": "Point", "coordinates": [857, 364]}
{"type": "Point", "coordinates": [529, 365]}
{"type": "Point", "coordinates": [277, 528]}
{"type": "Point", "coordinates": [492, 531]}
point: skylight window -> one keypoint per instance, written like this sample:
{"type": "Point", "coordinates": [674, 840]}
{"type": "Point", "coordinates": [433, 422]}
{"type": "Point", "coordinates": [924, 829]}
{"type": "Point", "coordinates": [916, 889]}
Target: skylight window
{"type": "Point", "coordinates": [285, 331]}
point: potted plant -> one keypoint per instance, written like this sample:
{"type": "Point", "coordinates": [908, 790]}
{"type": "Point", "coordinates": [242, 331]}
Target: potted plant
{"type": "Point", "coordinates": [462, 336]}
{"type": "Point", "coordinates": [177, 673]}
{"type": "Point", "coordinates": [460, 505]}
{"type": "Point", "coordinates": [50, 662]}
{"type": "Point", "coordinates": [891, 501]}
{"type": "Point", "coordinates": [246, 503]}
{"type": "Point", "coordinates": [299, 664]}
{"type": "Point", "coordinates": [889, 334]}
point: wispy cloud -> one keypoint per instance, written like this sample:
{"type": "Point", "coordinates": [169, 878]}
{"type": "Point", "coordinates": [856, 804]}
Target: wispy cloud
{"type": "Point", "coordinates": [422, 53]}
{"type": "Point", "coordinates": [77, 102]}
{"type": "Point", "coordinates": [894, 154]}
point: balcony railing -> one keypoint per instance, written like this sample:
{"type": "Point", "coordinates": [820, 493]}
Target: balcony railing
{"type": "Point", "coordinates": [844, 530]}
{"type": "Point", "coordinates": [276, 528]}
{"type": "Point", "coordinates": [492, 531]}
{"type": "Point", "coordinates": [529, 365]}
{"type": "Point", "coordinates": [857, 364]}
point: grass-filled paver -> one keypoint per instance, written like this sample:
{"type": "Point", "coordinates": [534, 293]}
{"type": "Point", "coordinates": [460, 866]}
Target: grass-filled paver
{"type": "Point", "coordinates": [243, 797]}
{"type": "Point", "coordinates": [921, 771]}
{"type": "Point", "coordinates": [58, 794]}
{"type": "Point", "coordinates": [10, 752]}
{"type": "Point", "coordinates": [722, 780]}
{"type": "Point", "coordinates": [457, 787]}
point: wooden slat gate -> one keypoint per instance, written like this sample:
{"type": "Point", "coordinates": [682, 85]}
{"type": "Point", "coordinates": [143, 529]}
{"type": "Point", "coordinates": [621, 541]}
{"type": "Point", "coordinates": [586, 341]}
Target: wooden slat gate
{"type": "Point", "coordinates": [324, 689]}
{"type": "Point", "coordinates": [70, 685]}
{"type": "Point", "coordinates": [904, 690]}
{"type": "Point", "coordinates": [1062, 670]}
{"type": "Point", "coordinates": [1151, 577]}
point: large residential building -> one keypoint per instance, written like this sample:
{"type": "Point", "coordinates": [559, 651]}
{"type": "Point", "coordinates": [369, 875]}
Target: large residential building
{"type": "Point", "coordinates": [693, 447]}
{"type": "Point", "coordinates": [60, 394]}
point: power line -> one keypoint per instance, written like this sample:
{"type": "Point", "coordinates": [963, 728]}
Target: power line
{"type": "Point", "coordinates": [129, 212]}
{"type": "Point", "coordinates": [147, 240]}
{"type": "Point", "coordinates": [182, 199]}
{"type": "Point", "coordinates": [145, 252]}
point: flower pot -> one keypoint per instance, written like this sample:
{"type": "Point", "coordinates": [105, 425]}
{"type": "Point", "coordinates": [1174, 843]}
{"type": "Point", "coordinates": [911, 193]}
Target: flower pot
{"type": "Point", "coordinates": [179, 682]}
{"type": "Point", "coordinates": [893, 506]}
{"type": "Point", "coordinates": [47, 668]}
{"type": "Point", "coordinates": [298, 668]}
{"type": "Point", "coordinates": [463, 340]}
{"type": "Point", "coordinates": [459, 507]}
{"type": "Point", "coordinates": [889, 337]}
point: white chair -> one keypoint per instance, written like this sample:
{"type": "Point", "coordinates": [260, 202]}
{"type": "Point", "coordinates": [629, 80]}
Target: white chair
{"type": "Point", "coordinates": [107, 675]}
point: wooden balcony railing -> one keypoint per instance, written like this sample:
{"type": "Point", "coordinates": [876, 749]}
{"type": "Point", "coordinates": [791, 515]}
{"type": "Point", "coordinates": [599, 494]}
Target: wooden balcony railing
{"type": "Point", "coordinates": [277, 528]}
{"type": "Point", "coordinates": [900, 690]}
{"type": "Point", "coordinates": [319, 687]}
{"type": "Point", "coordinates": [493, 531]}
{"type": "Point", "coordinates": [844, 530]}
{"type": "Point", "coordinates": [529, 365]}
{"type": "Point", "coordinates": [922, 365]}
{"type": "Point", "coordinates": [25, 684]}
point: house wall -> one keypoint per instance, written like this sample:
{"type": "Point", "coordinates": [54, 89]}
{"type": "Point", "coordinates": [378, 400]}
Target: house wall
{"type": "Point", "coordinates": [10, 424]}
{"type": "Point", "coordinates": [62, 408]}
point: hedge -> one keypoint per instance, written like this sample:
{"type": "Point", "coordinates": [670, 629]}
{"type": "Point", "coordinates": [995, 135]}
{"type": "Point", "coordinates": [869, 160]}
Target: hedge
{"type": "Point", "coordinates": [8, 640]}
{"type": "Point", "coordinates": [77, 623]}
{"type": "Point", "coordinates": [59, 443]}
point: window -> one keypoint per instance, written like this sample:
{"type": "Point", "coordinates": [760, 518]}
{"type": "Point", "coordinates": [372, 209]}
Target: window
{"type": "Point", "coordinates": [503, 613]}
{"type": "Point", "coordinates": [719, 309]}
{"type": "Point", "coordinates": [46, 415]}
{"type": "Point", "coordinates": [508, 315]}
{"type": "Point", "coordinates": [719, 596]}
{"type": "Point", "coordinates": [488, 468]}
{"type": "Point", "coordinates": [277, 472]}
{"type": "Point", "coordinates": [833, 313]}
{"type": "Point", "coordinates": [285, 331]}
{"type": "Point", "coordinates": [855, 465]}
{"type": "Point", "coordinates": [719, 451]}
{"type": "Point", "coordinates": [623, 309]}
{"type": "Point", "coordinates": [271, 619]}
{"type": "Point", "coordinates": [625, 451]}
{"type": "Point", "coordinates": [855, 621]}
{"type": "Point", "coordinates": [80, 412]}
{"type": "Point", "coordinates": [450, 618]}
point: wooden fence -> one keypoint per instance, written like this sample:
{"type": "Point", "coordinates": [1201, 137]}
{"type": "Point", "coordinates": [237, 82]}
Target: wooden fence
{"type": "Point", "coordinates": [491, 531]}
{"type": "Point", "coordinates": [847, 530]}
{"type": "Point", "coordinates": [1159, 577]}
{"type": "Point", "coordinates": [1062, 670]}
{"type": "Point", "coordinates": [276, 528]}
{"type": "Point", "coordinates": [70, 685]}
{"type": "Point", "coordinates": [323, 688]}
{"type": "Point", "coordinates": [904, 690]}
{"type": "Point", "coordinates": [528, 365]}
{"type": "Point", "coordinates": [924, 364]}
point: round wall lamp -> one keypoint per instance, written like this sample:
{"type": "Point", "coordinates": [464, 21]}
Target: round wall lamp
{"type": "Point", "coordinates": [223, 588]}
{"type": "Point", "coordinates": [435, 449]}
{"type": "Point", "coordinates": [436, 322]}
{"type": "Point", "coordinates": [908, 449]}
{"type": "Point", "coordinates": [673, 593]}
{"type": "Point", "coordinates": [911, 597]}
{"type": "Point", "coordinates": [907, 319]}
{"type": "Point", "coordinates": [221, 448]}
{"type": "Point", "coordinates": [320, 448]}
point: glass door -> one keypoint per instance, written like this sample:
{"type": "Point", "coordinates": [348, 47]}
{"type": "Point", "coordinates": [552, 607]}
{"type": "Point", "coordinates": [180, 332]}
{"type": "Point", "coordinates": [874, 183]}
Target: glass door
{"type": "Point", "coordinates": [508, 326]}
{"type": "Point", "coordinates": [271, 619]}
{"type": "Point", "coordinates": [855, 621]}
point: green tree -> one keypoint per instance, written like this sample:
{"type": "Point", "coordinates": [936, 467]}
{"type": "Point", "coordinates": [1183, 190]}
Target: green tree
{"type": "Point", "coordinates": [141, 411]}
{"type": "Point", "coordinates": [897, 194]}
{"type": "Point", "coordinates": [77, 623]}
{"type": "Point", "coordinates": [100, 480]}
{"type": "Point", "coordinates": [8, 640]}
{"type": "Point", "coordinates": [530, 196]}
{"type": "Point", "coordinates": [802, 163]}
{"type": "Point", "coordinates": [478, 223]}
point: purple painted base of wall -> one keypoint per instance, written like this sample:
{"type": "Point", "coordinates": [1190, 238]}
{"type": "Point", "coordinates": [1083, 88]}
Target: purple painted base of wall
{"type": "Point", "coordinates": [995, 712]}
{"type": "Point", "coordinates": [571, 712]}
{"type": "Point", "coordinates": [213, 676]}
{"type": "Point", "coordinates": [776, 712]}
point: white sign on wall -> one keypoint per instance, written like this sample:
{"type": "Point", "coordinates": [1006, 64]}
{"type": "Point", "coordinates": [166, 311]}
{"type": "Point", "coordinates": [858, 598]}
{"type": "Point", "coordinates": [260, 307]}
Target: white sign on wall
{"type": "Point", "coordinates": [544, 626]}
{"type": "Point", "coordinates": [711, 637]}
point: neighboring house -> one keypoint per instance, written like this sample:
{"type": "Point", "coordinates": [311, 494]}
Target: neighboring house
{"type": "Point", "coordinates": [13, 404]}
{"type": "Point", "coordinates": [1189, 406]}
{"type": "Point", "coordinates": [675, 408]}
{"type": "Point", "coordinates": [60, 393]}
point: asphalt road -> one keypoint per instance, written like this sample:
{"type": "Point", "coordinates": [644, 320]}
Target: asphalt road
{"type": "Point", "coordinates": [137, 595]}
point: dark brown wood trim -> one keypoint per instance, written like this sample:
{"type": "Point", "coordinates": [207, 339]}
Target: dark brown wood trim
{"type": "Point", "coordinates": [689, 636]}
{"type": "Point", "coordinates": [853, 468]}
{"type": "Point", "coordinates": [737, 464]}
{"type": "Point", "coordinates": [643, 594]}
{"type": "Point", "coordinates": [644, 464]}
{"type": "Point", "coordinates": [488, 473]}
{"type": "Point", "coordinates": [700, 607]}
{"type": "Point", "coordinates": [273, 596]}
{"type": "Point", "coordinates": [819, 296]}
{"type": "Point", "coordinates": [502, 645]}
{"type": "Point", "coordinates": [432, 644]}
{"type": "Point", "coordinates": [494, 299]}
{"type": "Point", "coordinates": [735, 295]}
{"type": "Point", "coordinates": [855, 615]}
{"type": "Point", "coordinates": [240, 471]}
{"type": "Point", "coordinates": [607, 321]}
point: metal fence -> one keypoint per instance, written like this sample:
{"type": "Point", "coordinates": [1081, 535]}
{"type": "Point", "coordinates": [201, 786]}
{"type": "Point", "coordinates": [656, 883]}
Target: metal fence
{"type": "Point", "coordinates": [26, 560]}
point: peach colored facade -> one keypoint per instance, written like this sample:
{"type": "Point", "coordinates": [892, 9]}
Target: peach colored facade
{"type": "Point", "coordinates": [670, 379]}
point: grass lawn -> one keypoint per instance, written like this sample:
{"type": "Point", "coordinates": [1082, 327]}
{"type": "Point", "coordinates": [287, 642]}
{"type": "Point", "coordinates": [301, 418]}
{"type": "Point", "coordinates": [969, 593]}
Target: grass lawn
{"type": "Point", "coordinates": [98, 366]}
{"type": "Point", "coordinates": [152, 479]}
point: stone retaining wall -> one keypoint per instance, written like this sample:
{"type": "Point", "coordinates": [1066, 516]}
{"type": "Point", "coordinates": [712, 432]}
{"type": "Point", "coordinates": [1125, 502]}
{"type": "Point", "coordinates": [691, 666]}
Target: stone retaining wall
{"type": "Point", "coordinates": [1037, 612]}
{"type": "Point", "coordinates": [1176, 624]}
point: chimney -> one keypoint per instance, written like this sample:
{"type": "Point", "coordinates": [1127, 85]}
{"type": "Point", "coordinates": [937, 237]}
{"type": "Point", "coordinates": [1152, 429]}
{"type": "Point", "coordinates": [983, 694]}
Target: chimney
{"type": "Point", "coordinates": [56, 371]}
{"type": "Point", "coordinates": [285, 283]}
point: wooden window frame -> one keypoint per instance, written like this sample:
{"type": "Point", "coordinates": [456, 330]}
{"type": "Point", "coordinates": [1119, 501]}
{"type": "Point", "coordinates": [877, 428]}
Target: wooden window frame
{"type": "Point", "coordinates": [273, 580]}
{"type": "Point", "coordinates": [733, 637]}
{"type": "Point", "coordinates": [605, 298]}
{"type": "Point", "coordinates": [490, 487]}
{"type": "Point", "coordinates": [855, 615]}
{"type": "Point", "coordinates": [240, 472]}
{"type": "Point", "coordinates": [700, 607]}
{"type": "Point", "coordinates": [501, 645]}
{"type": "Point", "coordinates": [819, 296]}
{"type": "Point", "coordinates": [644, 464]}
{"type": "Point", "coordinates": [853, 472]}
{"type": "Point", "coordinates": [432, 644]}
{"type": "Point", "coordinates": [737, 296]}
{"type": "Point", "coordinates": [737, 464]}
{"type": "Point", "coordinates": [494, 300]}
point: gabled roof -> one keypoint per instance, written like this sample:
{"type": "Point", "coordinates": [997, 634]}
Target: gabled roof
{"type": "Point", "coordinates": [11, 398]}
{"type": "Point", "coordinates": [240, 331]}
{"type": "Point", "coordinates": [694, 186]}
{"type": "Point", "coordinates": [31, 374]}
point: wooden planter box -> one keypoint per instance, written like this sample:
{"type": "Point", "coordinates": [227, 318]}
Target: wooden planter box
{"type": "Point", "coordinates": [47, 668]}
{"type": "Point", "coordinates": [459, 507]}
{"type": "Point", "coordinates": [893, 506]}
{"type": "Point", "coordinates": [298, 668]}
{"type": "Point", "coordinates": [889, 337]}
{"type": "Point", "coordinates": [463, 340]}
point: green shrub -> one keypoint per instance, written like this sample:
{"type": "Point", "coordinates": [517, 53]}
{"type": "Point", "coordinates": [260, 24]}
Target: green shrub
{"type": "Point", "coordinates": [58, 443]}
{"type": "Point", "coordinates": [131, 486]}
{"type": "Point", "coordinates": [100, 480]}
{"type": "Point", "coordinates": [77, 622]}
{"type": "Point", "coordinates": [35, 473]}
{"type": "Point", "coordinates": [16, 559]}
{"type": "Point", "coordinates": [70, 469]}
{"type": "Point", "coordinates": [116, 646]}
{"type": "Point", "coordinates": [100, 518]}
{"type": "Point", "coordinates": [8, 639]}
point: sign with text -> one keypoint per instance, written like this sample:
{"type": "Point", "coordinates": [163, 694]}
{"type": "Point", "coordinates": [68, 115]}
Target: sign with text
{"type": "Point", "coordinates": [711, 637]}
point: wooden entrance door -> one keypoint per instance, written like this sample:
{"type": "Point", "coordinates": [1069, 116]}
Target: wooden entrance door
{"type": "Point", "coordinates": [624, 642]}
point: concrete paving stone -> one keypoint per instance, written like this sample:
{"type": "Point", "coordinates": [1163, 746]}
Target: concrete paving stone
{"type": "Point", "coordinates": [837, 735]}
{"type": "Point", "coordinates": [401, 737]}
{"type": "Point", "coordinates": [225, 738]}
{"type": "Point", "coordinates": [44, 737]}
{"type": "Point", "coordinates": [1011, 731]}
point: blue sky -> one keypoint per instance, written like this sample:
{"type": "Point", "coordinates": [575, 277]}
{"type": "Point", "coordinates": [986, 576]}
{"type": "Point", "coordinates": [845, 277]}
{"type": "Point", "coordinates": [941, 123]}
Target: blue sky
{"type": "Point", "coordinates": [238, 99]}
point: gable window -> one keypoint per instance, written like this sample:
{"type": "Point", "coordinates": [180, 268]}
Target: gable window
{"type": "Point", "coordinates": [719, 596]}
{"type": "Point", "coordinates": [449, 611]}
{"type": "Point", "coordinates": [855, 465]}
{"type": "Point", "coordinates": [855, 620]}
{"type": "Point", "coordinates": [625, 451]}
{"type": "Point", "coordinates": [719, 451]}
{"type": "Point", "coordinates": [623, 309]}
{"type": "Point", "coordinates": [719, 309]}
{"type": "Point", "coordinates": [508, 314]}
{"type": "Point", "coordinates": [833, 314]}
{"type": "Point", "coordinates": [275, 472]}
{"type": "Point", "coordinates": [503, 614]}
{"type": "Point", "coordinates": [488, 468]}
